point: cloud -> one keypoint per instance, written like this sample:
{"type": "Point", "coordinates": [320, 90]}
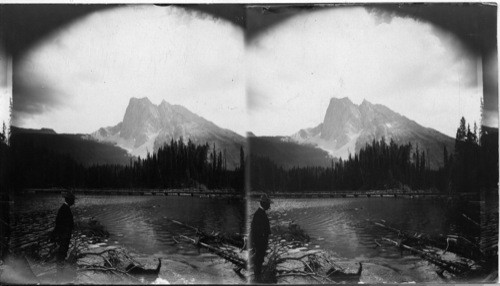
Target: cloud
{"type": "Point", "coordinates": [402, 63]}
{"type": "Point", "coordinates": [34, 96]}
{"type": "Point", "coordinates": [490, 83]}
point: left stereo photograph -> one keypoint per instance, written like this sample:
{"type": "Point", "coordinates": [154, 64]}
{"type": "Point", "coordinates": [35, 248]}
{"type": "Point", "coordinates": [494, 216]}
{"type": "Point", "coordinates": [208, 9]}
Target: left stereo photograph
{"type": "Point", "coordinates": [123, 148]}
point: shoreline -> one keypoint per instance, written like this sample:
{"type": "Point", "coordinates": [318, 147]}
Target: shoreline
{"type": "Point", "coordinates": [390, 193]}
{"type": "Point", "coordinates": [189, 192]}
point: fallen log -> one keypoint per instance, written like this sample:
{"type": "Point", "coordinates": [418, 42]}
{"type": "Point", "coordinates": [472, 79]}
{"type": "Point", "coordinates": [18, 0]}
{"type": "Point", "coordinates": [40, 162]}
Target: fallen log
{"type": "Point", "coordinates": [237, 241]}
{"type": "Point", "coordinates": [471, 220]}
{"type": "Point", "coordinates": [415, 235]}
{"type": "Point", "coordinates": [451, 267]}
{"type": "Point", "coordinates": [184, 225]}
{"type": "Point", "coordinates": [461, 245]}
{"type": "Point", "coordinates": [239, 262]}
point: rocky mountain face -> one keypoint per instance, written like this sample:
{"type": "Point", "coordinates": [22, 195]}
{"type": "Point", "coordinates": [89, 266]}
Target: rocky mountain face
{"type": "Point", "coordinates": [347, 127]}
{"type": "Point", "coordinates": [146, 127]}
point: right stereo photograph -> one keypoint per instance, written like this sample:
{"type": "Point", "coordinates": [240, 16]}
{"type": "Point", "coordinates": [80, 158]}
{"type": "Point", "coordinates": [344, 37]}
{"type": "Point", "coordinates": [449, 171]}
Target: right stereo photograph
{"type": "Point", "coordinates": [373, 143]}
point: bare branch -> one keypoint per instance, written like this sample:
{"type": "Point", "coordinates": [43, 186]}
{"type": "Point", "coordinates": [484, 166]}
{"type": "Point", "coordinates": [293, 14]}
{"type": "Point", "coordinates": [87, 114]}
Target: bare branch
{"type": "Point", "coordinates": [94, 253]}
{"type": "Point", "coordinates": [107, 269]}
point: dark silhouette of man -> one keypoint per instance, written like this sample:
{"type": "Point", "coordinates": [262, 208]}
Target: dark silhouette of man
{"type": "Point", "coordinates": [63, 229]}
{"type": "Point", "coordinates": [259, 234]}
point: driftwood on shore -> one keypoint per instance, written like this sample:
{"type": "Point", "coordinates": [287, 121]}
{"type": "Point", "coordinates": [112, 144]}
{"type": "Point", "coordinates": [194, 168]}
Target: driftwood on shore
{"type": "Point", "coordinates": [452, 267]}
{"type": "Point", "coordinates": [301, 265]}
{"type": "Point", "coordinates": [226, 254]}
{"type": "Point", "coordinates": [424, 245]}
{"type": "Point", "coordinates": [289, 260]}
{"type": "Point", "coordinates": [283, 261]}
{"type": "Point", "coordinates": [36, 244]}
{"type": "Point", "coordinates": [84, 255]}
{"type": "Point", "coordinates": [222, 245]}
{"type": "Point", "coordinates": [451, 242]}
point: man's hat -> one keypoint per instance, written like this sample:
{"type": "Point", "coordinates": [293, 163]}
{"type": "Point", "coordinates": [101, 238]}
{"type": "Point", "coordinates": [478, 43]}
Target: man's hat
{"type": "Point", "coordinates": [69, 195]}
{"type": "Point", "coordinates": [265, 199]}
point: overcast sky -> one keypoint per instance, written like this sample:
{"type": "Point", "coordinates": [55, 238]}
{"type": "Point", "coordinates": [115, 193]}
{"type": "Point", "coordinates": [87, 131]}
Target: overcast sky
{"type": "Point", "coordinates": [81, 77]}
{"type": "Point", "coordinates": [417, 70]}
{"type": "Point", "coordinates": [5, 88]}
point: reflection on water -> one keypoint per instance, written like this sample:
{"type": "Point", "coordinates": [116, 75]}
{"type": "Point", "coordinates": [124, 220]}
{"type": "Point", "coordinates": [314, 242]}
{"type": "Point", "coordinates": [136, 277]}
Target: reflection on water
{"type": "Point", "coordinates": [140, 223]}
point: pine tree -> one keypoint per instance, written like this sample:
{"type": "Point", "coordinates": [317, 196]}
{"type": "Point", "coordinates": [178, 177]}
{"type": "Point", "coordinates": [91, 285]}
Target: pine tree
{"type": "Point", "coordinates": [3, 135]}
{"type": "Point", "coordinates": [242, 157]}
{"type": "Point", "coordinates": [476, 134]}
{"type": "Point", "coordinates": [461, 131]}
{"type": "Point", "coordinates": [445, 157]}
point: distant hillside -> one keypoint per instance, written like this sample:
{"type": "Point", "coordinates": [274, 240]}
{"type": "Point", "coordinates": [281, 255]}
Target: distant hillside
{"type": "Point", "coordinates": [32, 131]}
{"type": "Point", "coordinates": [77, 146]}
{"type": "Point", "coordinates": [287, 153]}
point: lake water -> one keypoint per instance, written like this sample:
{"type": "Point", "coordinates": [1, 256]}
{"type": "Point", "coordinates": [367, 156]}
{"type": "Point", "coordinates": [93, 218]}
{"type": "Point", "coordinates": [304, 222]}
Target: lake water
{"type": "Point", "coordinates": [141, 225]}
{"type": "Point", "coordinates": [345, 227]}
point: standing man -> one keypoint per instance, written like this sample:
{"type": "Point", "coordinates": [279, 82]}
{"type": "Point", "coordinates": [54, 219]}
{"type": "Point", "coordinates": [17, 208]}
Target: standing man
{"type": "Point", "coordinates": [63, 229]}
{"type": "Point", "coordinates": [259, 234]}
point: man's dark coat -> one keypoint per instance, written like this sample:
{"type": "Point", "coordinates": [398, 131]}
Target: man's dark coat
{"type": "Point", "coordinates": [260, 230]}
{"type": "Point", "coordinates": [259, 234]}
{"type": "Point", "coordinates": [63, 229]}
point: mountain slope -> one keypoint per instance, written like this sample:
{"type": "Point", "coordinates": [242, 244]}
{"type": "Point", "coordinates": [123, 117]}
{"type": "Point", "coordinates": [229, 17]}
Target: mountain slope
{"type": "Point", "coordinates": [287, 153]}
{"type": "Point", "coordinates": [77, 146]}
{"type": "Point", "coordinates": [146, 127]}
{"type": "Point", "coordinates": [347, 127]}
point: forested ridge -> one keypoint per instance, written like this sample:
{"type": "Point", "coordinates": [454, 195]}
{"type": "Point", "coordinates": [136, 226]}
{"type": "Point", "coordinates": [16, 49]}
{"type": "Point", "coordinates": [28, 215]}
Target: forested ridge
{"type": "Point", "coordinates": [176, 164]}
{"type": "Point", "coordinates": [381, 165]}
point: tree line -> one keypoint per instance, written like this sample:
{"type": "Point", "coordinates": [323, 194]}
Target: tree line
{"type": "Point", "coordinates": [377, 166]}
{"type": "Point", "coordinates": [4, 158]}
{"type": "Point", "coordinates": [380, 165]}
{"type": "Point", "coordinates": [174, 165]}
{"type": "Point", "coordinates": [473, 165]}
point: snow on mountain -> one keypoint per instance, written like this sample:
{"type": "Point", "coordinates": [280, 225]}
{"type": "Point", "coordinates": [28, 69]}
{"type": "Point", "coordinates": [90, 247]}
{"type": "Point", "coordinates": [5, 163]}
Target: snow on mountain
{"type": "Point", "coordinates": [146, 127]}
{"type": "Point", "coordinates": [347, 127]}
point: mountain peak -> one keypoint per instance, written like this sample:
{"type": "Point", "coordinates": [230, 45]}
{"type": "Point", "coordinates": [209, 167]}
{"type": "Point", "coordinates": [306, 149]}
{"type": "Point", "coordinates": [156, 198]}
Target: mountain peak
{"type": "Point", "coordinates": [366, 102]}
{"type": "Point", "coordinates": [341, 116]}
{"type": "Point", "coordinates": [140, 115]}
{"type": "Point", "coordinates": [164, 104]}
{"type": "Point", "coordinates": [344, 100]}
{"type": "Point", "coordinates": [135, 101]}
